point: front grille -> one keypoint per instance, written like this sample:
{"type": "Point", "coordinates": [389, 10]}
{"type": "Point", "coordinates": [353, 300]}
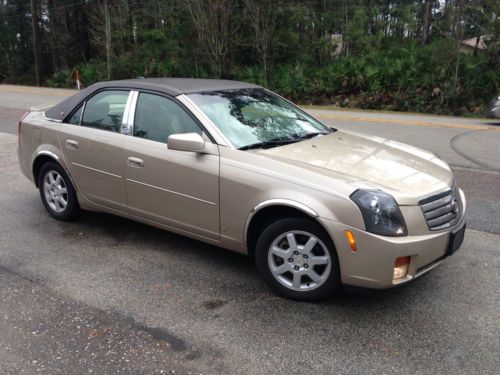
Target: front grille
{"type": "Point", "coordinates": [442, 210]}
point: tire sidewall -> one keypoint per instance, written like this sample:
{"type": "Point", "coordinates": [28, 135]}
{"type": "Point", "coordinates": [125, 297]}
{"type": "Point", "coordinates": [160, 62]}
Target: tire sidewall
{"type": "Point", "coordinates": [72, 208]}
{"type": "Point", "coordinates": [280, 227]}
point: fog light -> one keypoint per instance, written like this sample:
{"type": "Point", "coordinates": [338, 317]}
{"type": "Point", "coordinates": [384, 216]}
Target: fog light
{"type": "Point", "coordinates": [352, 240]}
{"type": "Point", "coordinates": [401, 268]}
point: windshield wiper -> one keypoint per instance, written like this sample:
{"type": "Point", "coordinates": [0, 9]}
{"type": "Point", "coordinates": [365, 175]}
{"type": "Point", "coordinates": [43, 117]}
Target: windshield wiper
{"type": "Point", "coordinates": [269, 144]}
{"type": "Point", "coordinates": [312, 135]}
{"type": "Point", "coordinates": [309, 135]}
{"type": "Point", "coordinates": [285, 141]}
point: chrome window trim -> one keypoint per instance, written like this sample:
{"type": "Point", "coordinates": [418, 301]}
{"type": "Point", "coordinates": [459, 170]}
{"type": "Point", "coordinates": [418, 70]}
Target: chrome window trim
{"type": "Point", "coordinates": [51, 119]}
{"type": "Point", "coordinates": [84, 105]}
{"type": "Point", "coordinates": [124, 129]}
{"type": "Point", "coordinates": [128, 122]}
{"type": "Point", "coordinates": [214, 131]}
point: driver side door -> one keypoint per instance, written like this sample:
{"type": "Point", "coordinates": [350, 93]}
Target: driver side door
{"type": "Point", "coordinates": [177, 189]}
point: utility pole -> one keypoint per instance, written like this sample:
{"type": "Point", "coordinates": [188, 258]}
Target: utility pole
{"type": "Point", "coordinates": [108, 38]}
{"type": "Point", "coordinates": [34, 26]}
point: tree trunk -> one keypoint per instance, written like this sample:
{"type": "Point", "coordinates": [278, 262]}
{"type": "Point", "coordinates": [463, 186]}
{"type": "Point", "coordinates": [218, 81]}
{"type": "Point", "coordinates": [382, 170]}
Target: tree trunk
{"type": "Point", "coordinates": [345, 40]}
{"type": "Point", "coordinates": [108, 38]}
{"type": "Point", "coordinates": [53, 40]}
{"type": "Point", "coordinates": [36, 47]}
{"type": "Point", "coordinates": [458, 36]}
{"type": "Point", "coordinates": [427, 21]}
{"type": "Point", "coordinates": [476, 46]}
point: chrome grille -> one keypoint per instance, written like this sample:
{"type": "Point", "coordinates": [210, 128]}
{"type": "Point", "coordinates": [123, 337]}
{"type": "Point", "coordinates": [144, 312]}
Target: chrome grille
{"type": "Point", "coordinates": [442, 210]}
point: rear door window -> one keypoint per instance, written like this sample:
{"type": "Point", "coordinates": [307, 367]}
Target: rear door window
{"type": "Point", "coordinates": [105, 110]}
{"type": "Point", "coordinates": [76, 116]}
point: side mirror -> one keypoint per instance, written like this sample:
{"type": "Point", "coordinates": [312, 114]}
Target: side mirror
{"type": "Point", "coordinates": [192, 142]}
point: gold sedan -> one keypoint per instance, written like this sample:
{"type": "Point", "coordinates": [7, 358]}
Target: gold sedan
{"type": "Point", "coordinates": [235, 165]}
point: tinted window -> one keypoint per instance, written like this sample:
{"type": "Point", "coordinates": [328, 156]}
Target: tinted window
{"type": "Point", "coordinates": [157, 117]}
{"type": "Point", "coordinates": [105, 110]}
{"type": "Point", "coordinates": [77, 115]}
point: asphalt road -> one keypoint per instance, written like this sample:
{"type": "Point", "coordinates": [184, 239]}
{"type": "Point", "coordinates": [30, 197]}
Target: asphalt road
{"type": "Point", "coordinates": [107, 295]}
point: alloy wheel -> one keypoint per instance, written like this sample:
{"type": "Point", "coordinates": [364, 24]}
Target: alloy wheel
{"type": "Point", "coordinates": [55, 191]}
{"type": "Point", "coordinates": [299, 260]}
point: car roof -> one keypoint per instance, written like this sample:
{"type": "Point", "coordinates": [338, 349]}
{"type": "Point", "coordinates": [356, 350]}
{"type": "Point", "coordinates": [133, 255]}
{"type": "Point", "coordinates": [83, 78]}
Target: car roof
{"type": "Point", "coordinates": [169, 86]}
{"type": "Point", "coordinates": [177, 86]}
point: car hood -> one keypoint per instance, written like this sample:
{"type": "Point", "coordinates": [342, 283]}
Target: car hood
{"type": "Point", "coordinates": [407, 172]}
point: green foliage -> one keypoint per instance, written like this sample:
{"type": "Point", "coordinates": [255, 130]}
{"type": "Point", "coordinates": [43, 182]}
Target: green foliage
{"type": "Point", "coordinates": [60, 79]}
{"type": "Point", "coordinates": [92, 71]}
{"type": "Point", "coordinates": [403, 78]}
{"type": "Point", "coordinates": [383, 62]}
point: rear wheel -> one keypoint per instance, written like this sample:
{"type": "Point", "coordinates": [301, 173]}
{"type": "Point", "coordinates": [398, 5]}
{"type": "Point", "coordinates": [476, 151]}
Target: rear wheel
{"type": "Point", "coordinates": [297, 259]}
{"type": "Point", "coordinates": [57, 192]}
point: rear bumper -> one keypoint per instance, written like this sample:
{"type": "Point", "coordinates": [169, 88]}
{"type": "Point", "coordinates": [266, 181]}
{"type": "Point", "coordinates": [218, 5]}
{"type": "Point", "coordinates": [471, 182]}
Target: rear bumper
{"type": "Point", "coordinates": [372, 266]}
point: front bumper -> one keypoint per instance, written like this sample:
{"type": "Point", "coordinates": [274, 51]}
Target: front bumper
{"type": "Point", "coordinates": [372, 265]}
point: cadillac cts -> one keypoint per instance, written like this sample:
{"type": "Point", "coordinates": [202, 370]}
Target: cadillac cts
{"type": "Point", "coordinates": [235, 165]}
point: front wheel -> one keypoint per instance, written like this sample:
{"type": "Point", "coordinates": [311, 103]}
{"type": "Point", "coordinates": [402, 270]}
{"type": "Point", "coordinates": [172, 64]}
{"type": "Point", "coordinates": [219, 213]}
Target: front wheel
{"type": "Point", "coordinates": [297, 259]}
{"type": "Point", "coordinates": [57, 192]}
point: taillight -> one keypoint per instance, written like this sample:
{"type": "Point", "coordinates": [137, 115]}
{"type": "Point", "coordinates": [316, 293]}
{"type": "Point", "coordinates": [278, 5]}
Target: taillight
{"type": "Point", "coordinates": [19, 128]}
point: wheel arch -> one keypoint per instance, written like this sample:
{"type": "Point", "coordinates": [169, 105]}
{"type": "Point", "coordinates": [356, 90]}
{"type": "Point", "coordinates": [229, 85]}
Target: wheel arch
{"type": "Point", "coordinates": [44, 156]}
{"type": "Point", "coordinates": [271, 210]}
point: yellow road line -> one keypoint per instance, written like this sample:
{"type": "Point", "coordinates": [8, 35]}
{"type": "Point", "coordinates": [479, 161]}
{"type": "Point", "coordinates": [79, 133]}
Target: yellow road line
{"type": "Point", "coordinates": [407, 122]}
{"type": "Point", "coordinates": [53, 92]}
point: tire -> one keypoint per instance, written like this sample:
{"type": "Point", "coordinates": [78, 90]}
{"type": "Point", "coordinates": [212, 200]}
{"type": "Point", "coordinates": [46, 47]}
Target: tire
{"type": "Point", "coordinates": [57, 192]}
{"type": "Point", "coordinates": [305, 270]}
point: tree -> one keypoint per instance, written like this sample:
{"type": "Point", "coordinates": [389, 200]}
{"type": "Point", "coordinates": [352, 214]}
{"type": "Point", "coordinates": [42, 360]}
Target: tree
{"type": "Point", "coordinates": [426, 24]}
{"type": "Point", "coordinates": [212, 22]}
{"type": "Point", "coordinates": [35, 40]}
{"type": "Point", "coordinates": [393, 54]}
{"type": "Point", "coordinates": [262, 17]}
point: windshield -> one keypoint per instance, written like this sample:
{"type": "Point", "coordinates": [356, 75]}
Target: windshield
{"type": "Point", "coordinates": [256, 117]}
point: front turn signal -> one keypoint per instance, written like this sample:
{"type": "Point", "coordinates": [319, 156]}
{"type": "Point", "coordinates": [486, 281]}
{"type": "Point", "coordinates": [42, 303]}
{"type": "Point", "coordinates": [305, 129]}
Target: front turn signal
{"type": "Point", "coordinates": [401, 268]}
{"type": "Point", "coordinates": [351, 240]}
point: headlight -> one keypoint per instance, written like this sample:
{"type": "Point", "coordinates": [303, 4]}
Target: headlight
{"type": "Point", "coordinates": [380, 212]}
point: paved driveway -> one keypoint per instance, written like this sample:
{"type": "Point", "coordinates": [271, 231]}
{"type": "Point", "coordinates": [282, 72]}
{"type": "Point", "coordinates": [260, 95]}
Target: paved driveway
{"type": "Point", "coordinates": [108, 295]}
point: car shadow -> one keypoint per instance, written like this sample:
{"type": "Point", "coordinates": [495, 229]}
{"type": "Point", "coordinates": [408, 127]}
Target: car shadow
{"type": "Point", "coordinates": [493, 122]}
{"type": "Point", "coordinates": [144, 237]}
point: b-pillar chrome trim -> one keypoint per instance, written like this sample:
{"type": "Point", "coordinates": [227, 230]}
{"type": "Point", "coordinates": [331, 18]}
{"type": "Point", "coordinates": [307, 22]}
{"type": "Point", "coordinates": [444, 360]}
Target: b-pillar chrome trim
{"type": "Point", "coordinates": [277, 202]}
{"type": "Point", "coordinates": [129, 113]}
{"type": "Point", "coordinates": [220, 139]}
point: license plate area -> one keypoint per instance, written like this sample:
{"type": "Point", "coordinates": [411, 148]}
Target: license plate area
{"type": "Point", "coordinates": [456, 240]}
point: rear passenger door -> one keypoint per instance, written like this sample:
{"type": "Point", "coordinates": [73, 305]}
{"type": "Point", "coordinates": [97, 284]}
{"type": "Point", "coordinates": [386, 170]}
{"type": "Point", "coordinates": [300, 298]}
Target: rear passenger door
{"type": "Point", "coordinates": [91, 143]}
{"type": "Point", "coordinates": [175, 188]}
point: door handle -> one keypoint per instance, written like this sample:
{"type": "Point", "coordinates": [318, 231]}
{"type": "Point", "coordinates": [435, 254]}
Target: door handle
{"type": "Point", "coordinates": [71, 144]}
{"type": "Point", "coordinates": [135, 162]}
